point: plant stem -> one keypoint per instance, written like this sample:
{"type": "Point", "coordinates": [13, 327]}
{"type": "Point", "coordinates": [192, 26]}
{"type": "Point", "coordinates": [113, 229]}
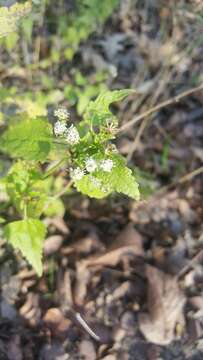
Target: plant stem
{"type": "Point", "coordinates": [25, 212]}
{"type": "Point", "coordinates": [54, 168]}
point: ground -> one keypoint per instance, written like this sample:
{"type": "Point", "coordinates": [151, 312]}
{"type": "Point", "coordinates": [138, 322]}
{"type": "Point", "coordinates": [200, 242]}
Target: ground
{"type": "Point", "coordinates": [123, 279]}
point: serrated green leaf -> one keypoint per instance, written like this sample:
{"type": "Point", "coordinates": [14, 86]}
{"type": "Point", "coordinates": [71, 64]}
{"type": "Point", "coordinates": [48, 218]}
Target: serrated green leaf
{"type": "Point", "coordinates": [54, 207]}
{"type": "Point", "coordinates": [98, 111]}
{"type": "Point", "coordinates": [28, 139]}
{"type": "Point", "coordinates": [125, 182]}
{"type": "Point", "coordinates": [27, 188]}
{"type": "Point", "coordinates": [91, 186]}
{"type": "Point", "coordinates": [27, 236]}
{"type": "Point", "coordinates": [101, 183]}
{"type": "Point", "coordinates": [32, 108]}
{"type": "Point", "coordinates": [10, 16]}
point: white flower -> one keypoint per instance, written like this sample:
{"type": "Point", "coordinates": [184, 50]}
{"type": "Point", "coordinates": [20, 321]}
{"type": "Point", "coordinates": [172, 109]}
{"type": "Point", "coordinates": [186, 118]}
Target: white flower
{"type": "Point", "coordinates": [107, 165]}
{"type": "Point", "coordinates": [77, 173]}
{"type": "Point", "coordinates": [61, 114]}
{"type": "Point", "coordinates": [59, 128]}
{"type": "Point", "coordinates": [90, 165]}
{"type": "Point", "coordinates": [95, 182]}
{"type": "Point", "coordinates": [72, 135]}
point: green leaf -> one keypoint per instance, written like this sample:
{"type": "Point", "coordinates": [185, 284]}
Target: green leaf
{"type": "Point", "coordinates": [27, 236]}
{"type": "Point", "coordinates": [54, 207]}
{"type": "Point", "coordinates": [27, 188]}
{"type": "Point", "coordinates": [101, 183]}
{"type": "Point", "coordinates": [10, 16]}
{"type": "Point", "coordinates": [34, 109]}
{"type": "Point", "coordinates": [28, 139]}
{"type": "Point", "coordinates": [98, 111]}
{"type": "Point", "coordinates": [90, 185]}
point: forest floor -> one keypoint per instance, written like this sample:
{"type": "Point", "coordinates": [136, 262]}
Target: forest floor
{"type": "Point", "coordinates": [123, 279]}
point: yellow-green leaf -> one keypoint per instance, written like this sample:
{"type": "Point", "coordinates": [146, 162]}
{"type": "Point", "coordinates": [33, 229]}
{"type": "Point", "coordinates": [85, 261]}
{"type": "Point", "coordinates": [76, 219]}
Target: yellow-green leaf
{"type": "Point", "coordinates": [27, 236]}
{"type": "Point", "coordinates": [10, 16]}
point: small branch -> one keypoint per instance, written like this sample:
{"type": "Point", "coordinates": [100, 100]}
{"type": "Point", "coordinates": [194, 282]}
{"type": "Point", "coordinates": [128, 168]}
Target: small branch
{"type": "Point", "coordinates": [182, 180]}
{"type": "Point", "coordinates": [163, 190]}
{"type": "Point", "coordinates": [54, 168]}
{"type": "Point", "coordinates": [86, 327]}
{"type": "Point", "coordinates": [62, 192]}
{"type": "Point", "coordinates": [160, 106]}
{"type": "Point", "coordinates": [159, 193]}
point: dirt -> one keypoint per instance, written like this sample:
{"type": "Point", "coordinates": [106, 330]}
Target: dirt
{"type": "Point", "coordinates": [123, 280]}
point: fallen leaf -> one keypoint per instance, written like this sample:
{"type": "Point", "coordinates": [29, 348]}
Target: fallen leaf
{"type": "Point", "coordinates": [87, 350]}
{"type": "Point", "coordinates": [56, 322]}
{"type": "Point", "coordinates": [83, 276]}
{"type": "Point", "coordinates": [52, 244]}
{"type": "Point", "coordinates": [54, 351]}
{"type": "Point", "coordinates": [59, 224]}
{"type": "Point", "coordinates": [165, 303]}
{"type": "Point", "coordinates": [14, 348]}
{"type": "Point", "coordinates": [128, 243]}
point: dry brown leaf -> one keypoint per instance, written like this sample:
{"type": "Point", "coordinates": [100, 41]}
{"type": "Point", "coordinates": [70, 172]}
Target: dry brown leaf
{"type": "Point", "coordinates": [165, 303]}
{"type": "Point", "coordinates": [88, 244]}
{"type": "Point", "coordinates": [84, 246]}
{"type": "Point", "coordinates": [64, 288]}
{"type": "Point", "coordinates": [87, 350]}
{"type": "Point", "coordinates": [128, 243]}
{"type": "Point", "coordinates": [30, 310]}
{"type": "Point", "coordinates": [52, 244]}
{"type": "Point", "coordinates": [55, 321]}
{"type": "Point", "coordinates": [59, 224]}
{"type": "Point", "coordinates": [83, 276]}
{"type": "Point", "coordinates": [14, 350]}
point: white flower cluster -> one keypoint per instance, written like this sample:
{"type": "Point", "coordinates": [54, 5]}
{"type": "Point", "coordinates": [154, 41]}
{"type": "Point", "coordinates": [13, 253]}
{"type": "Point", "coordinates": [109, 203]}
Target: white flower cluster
{"type": "Point", "coordinates": [95, 182]}
{"type": "Point", "coordinates": [107, 165]}
{"type": "Point", "coordinates": [77, 173]}
{"type": "Point", "coordinates": [72, 135]}
{"type": "Point", "coordinates": [59, 128]}
{"type": "Point", "coordinates": [62, 114]}
{"type": "Point", "coordinates": [91, 165]}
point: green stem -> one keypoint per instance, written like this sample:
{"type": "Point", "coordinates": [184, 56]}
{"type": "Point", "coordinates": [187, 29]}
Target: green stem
{"type": "Point", "coordinates": [54, 168]}
{"type": "Point", "coordinates": [25, 212]}
{"type": "Point", "coordinates": [58, 195]}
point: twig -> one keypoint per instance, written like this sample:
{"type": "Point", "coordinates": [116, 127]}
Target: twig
{"type": "Point", "coordinates": [182, 180]}
{"type": "Point", "coordinates": [162, 81]}
{"type": "Point", "coordinates": [165, 103]}
{"type": "Point", "coordinates": [166, 188]}
{"type": "Point", "coordinates": [85, 326]}
{"type": "Point", "coordinates": [197, 258]}
{"type": "Point", "coordinates": [55, 167]}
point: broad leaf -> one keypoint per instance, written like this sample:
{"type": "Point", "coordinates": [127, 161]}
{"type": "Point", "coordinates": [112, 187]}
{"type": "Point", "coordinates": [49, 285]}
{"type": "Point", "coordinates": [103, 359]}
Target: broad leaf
{"type": "Point", "coordinates": [28, 139]}
{"type": "Point", "coordinates": [26, 187]}
{"type": "Point", "coordinates": [10, 16]}
{"type": "Point", "coordinates": [32, 108]}
{"type": "Point", "coordinates": [92, 186]}
{"type": "Point", "coordinates": [54, 207]}
{"type": "Point", "coordinates": [101, 183]}
{"type": "Point", "coordinates": [98, 111]}
{"type": "Point", "coordinates": [27, 236]}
